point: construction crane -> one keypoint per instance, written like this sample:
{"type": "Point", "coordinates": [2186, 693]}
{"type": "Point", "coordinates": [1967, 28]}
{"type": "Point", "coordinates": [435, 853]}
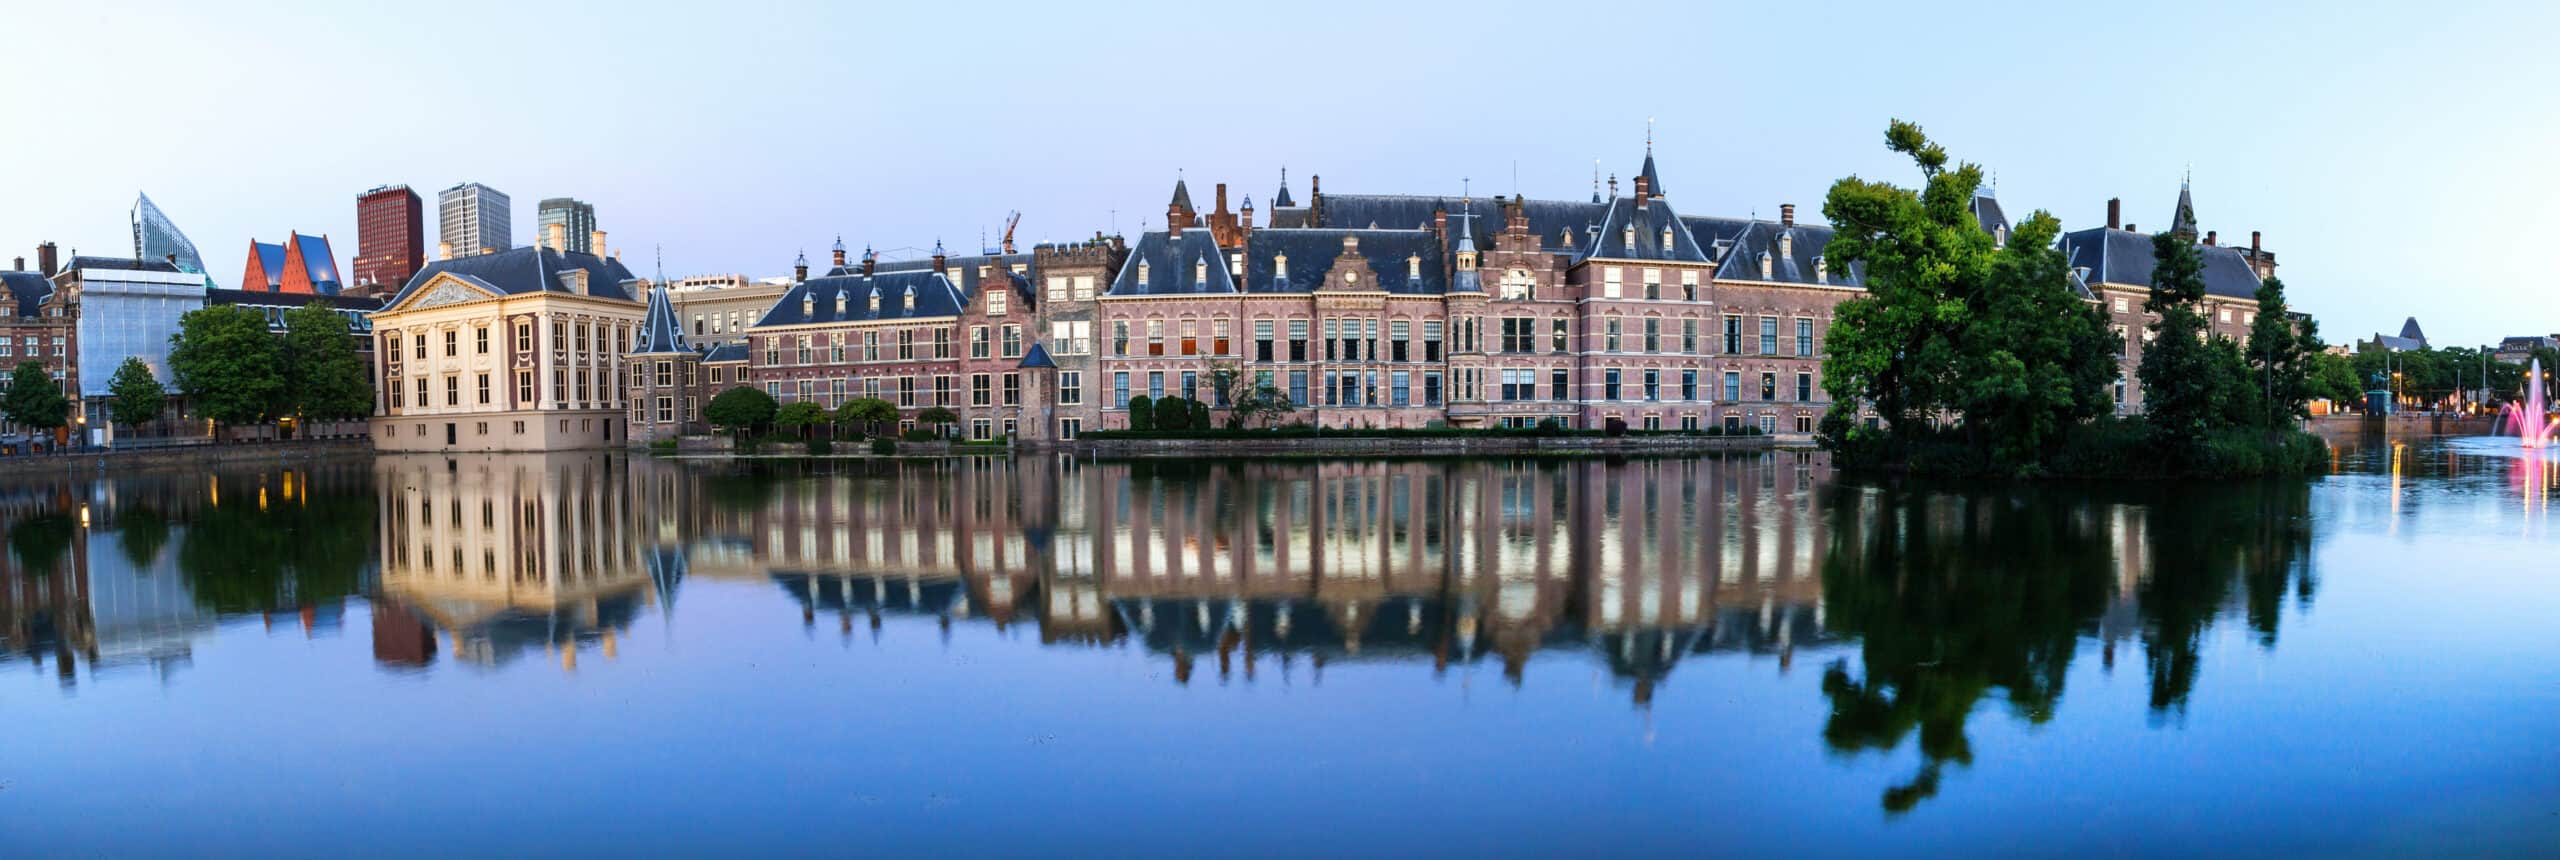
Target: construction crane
{"type": "Point", "coordinates": [1010, 219]}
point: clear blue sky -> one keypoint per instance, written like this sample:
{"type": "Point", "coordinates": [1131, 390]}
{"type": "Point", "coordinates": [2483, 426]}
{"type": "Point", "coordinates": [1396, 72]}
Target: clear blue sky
{"type": "Point", "coordinates": [2396, 154]}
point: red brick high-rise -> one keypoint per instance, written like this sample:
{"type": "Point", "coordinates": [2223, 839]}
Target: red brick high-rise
{"type": "Point", "coordinates": [390, 237]}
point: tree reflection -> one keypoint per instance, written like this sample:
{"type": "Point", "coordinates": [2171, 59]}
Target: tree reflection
{"type": "Point", "coordinates": [254, 550]}
{"type": "Point", "coordinates": [1956, 596]}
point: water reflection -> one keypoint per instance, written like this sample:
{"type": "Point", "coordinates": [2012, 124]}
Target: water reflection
{"type": "Point", "coordinates": [1924, 605]}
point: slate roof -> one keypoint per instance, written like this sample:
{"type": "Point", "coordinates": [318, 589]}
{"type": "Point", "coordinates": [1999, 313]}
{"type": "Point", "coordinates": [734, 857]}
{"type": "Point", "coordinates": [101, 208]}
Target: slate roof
{"type": "Point", "coordinates": [1652, 180]}
{"type": "Point", "coordinates": [1181, 195]}
{"type": "Point", "coordinates": [1311, 260]}
{"type": "Point", "coordinates": [1282, 200]}
{"type": "Point", "coordinates": [963, 271]}
{"type": "Point", "coordinates": [2398, 344]}
{"type": "Point", "coordinates": [1986, 210]}
{"type": "Point", "coordinates": [1649, 220]}
{"type": "Point", "coordinates": [2184, 220]}
{"type": "Point", "coordinates": [272, 299]}
{"type": "Point", "coordinates": [1170, 262]}
{"type": "Point", "coordinates": [903, 295]}
{"type": "Point", "coordinates": [1755, 239]}
{"type": "Point", "coordinates": [725, 352]}
{"type": "Point", "coordinates": [2411, 330]}
{"type": "Point", "coordinates": [659, 332]}
{"type": "Point", "coordinates": [2124, 257]}
{"type": "Point", "coordinates": [1038, 357]}
{"type": "Point", "coordinates": [27, 290]}
{"type": "Point", "coordinates": [1549, 220]}
{"type": "Point", "coordinates": [527, 270]}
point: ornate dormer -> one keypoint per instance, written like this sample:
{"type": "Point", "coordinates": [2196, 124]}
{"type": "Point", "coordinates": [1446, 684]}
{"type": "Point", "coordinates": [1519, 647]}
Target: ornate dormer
{"type": "Point", "coordinates": [875, 303]}
{"type": "Point", "coordinates": [1787, 244]}
{"type": "Point", "coordinates": [1667, 244]}
{"type": "Point", "coordinates": [1768, 266]}
{"type": "Point", "coordinates": [1142, 273]}
{"type": "Point", "coordinates": [1821, 270]}
{"type": "Point", "coordinates": [1280, 262]}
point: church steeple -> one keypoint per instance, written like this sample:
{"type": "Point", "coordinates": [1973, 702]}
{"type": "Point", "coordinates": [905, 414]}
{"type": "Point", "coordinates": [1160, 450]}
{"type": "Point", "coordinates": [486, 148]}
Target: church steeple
{"type": "Point", "coordinates": [2183, 224]}
{"type": "Point", "coordinates": [1282, 199]}
{"type": "Point", "coordinates": [1647, 179]}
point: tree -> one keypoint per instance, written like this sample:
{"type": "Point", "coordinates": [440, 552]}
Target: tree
{"type": "Point", "coordinates": [740, 409]}
{"type": "Point", "coordinates": [2036, 358]}
{"type": "Point", "coordinates": [1263, 402]}
{"type": "Point", "coordinates": [34, 400]}
{"type": "Point", "coordinates": [2333, 377]}
{"type": "Point", "coordinates": [324, 378]}
{"type": "Point", "coordinates": [1142, 413]}
{"type": "Point", "coordinates": [136, 395]}
{"type": "Point", "coordinates": [1173, 413]}
{"type": "Point", "coordinates": [941, 419]}
{"type": "Point", "coordinates": [797, 417]}
{"type": "Point", "coordinates": [2280, 358]}
{"type": "Point", "coordinates": [869, 413]}
{"type": "Point", "coordinates": [1199, 415]}
{"type": "Point", "coordinates": [225, 363]}
{"type": "Point", "coordinates": [1924, 253]}
{"type": "Point", "coordinates": [2179, 373]}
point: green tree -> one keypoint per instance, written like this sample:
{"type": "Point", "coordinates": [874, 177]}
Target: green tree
{"type": "Point", "coordinates": [2036, 359]}
{"type": "Point", "coordinates": [799, 416]}
{"type": "Point", "coordinates": [869, 413]}
{"type": "Point", "coordinates": [1173, 413]}
{"type": "Point", "coordinates": [324, 378]}
{"type": "Point", "coordinates": [34, 400]}
{"type": "Point", "coordinates": [939, 418]}
{"type": "Point", "coordinates": [1924, 253]}
{"type": "Point", "coordinates": [2180, 377]}
{"type": "Point", "coordinates": [1199, 415]}
{"type": "Point", "coordinates": [740, 409]}
{"type": "Point", "coordinates": [1264, 402]}
{"type": "Point", "coordinates": [2334, 377]}
{"type": "Point", "coordinates": [136, 395]}
{"type": "Point", "coordinates": [1142, 413]}
{"type": "Point", "coordinates": [2280, 358]}
{"type": "Point", "coordinates": [225, 363]}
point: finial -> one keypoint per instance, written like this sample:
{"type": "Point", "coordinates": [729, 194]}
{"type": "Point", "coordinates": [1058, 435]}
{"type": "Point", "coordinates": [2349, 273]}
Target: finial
{"type": "Point", "coordinates": [1466, 189]}
{"type": "Point", "coordinates": [1648, 135]}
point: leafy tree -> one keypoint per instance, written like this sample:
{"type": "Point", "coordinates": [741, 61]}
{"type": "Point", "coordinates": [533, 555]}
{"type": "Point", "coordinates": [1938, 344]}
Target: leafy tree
{"type": "Point", "coordinates": [869, 413]}
{"type": "Point", "coordinates": [2334, 377]}
{"type": "Point", "coordinates": [1199, 415]}
{"type": "Point", "coordinates": [136, 395]}
{"type": "Point", "coordinates": [1173, 413]}
{"type": "Point", "coordinates": [1142, 413]}
{"type": "Point", "coordinates": [740, 409]}
{"type": "Point", "coordinates": [324, 378]}
{"type": "Point", "coordinates": [34, 400]}
{"type": "Point", "coordinates": [799, 416]}
{"type": "Point", "coordinates": [225, 363]}
{"type": "Point", "coordinates": [939, 418]}
{"type": "Point", "coordinates": [1263, 402]}
{"type": "Point", "coordinates": [2280, 358]}
{"type": "Point", "coordinates": [1924, 253]}
{"type": "Point", "coordinates": [2036, 358]}
{"type": "Point", "coordinates": [2180, 379]}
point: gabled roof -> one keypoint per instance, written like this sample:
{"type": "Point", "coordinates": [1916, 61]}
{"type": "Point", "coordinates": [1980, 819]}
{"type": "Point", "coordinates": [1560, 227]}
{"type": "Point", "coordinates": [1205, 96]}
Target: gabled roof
{"type": "Point", "coordinates": [26, 291]}
{"type": "Point", "coordinates": [1171, 262]}
{"type": "Point", "coordinates": [1792, 261]}
{"type": "Point", "coordinates": [319, 263]}
{"type": "Point", "coordinates": [725, 352]}
{"type": "Point", "coordinates": [1388, 254]}
{"type": "Point", "coordinates": [1986, 211]}
{"type": "Point", "coordinates": [2411, 330]}
{"type": "Point", "coordinates": [1649, 221]}
{"type": "Point", "coordinates": [1038, 357]}
{"type": "Point", "coordinates": [527, 270]}
{"type": "Point", "coordinates": [902, 295]}
{"type": "Point", "coordinates": [1549, 220]}
{"type": "Point", "coordinates": [267, 260]}
{"type": "Point", "coordinates": [659, 332]}
{"type": "Point", "coordinates": [2123, 258]}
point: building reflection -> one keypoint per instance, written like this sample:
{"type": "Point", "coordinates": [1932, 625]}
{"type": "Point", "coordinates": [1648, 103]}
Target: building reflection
{"type": "Point", "coordinates": [513, 554]}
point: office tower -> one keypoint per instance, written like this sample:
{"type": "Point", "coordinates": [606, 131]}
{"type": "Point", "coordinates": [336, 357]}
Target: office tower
{"type": "Point", "coordinates": [473, 219]}
{"type": "Point", "coordinates": [579, 218]}
{"type": "Point", "coordinates": [390, 236]}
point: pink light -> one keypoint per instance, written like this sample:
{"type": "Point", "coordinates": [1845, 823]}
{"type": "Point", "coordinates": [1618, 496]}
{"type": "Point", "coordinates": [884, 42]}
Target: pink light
{"type": "Point", "coordinates": [2534, 426]}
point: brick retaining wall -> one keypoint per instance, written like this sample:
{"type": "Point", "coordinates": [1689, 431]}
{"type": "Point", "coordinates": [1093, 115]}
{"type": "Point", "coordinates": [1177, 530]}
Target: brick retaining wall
{"type": "Point", "coordinates": [1451, 446]}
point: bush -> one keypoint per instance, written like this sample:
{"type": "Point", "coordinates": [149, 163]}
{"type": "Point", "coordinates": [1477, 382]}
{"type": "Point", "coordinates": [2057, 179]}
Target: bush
{"type": "Point", "coordinates": [1173, 413]}
{"type": "Point", "coordinates": [819, 447]}
{"type": "Point", "coordinates": [1199, 415]}
{"type": "Point", "coordinates": [884, 446]}
{"type": "Point", "coordinates": [1142, 413]}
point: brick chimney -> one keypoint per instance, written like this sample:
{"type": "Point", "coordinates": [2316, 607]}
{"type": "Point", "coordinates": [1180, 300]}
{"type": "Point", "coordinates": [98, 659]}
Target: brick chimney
{"type": "Point", "coordinates": [2211, 235]}
{"type": "Point", "coordinates": [839, 253]}
{"type": "Point", "coordinates": [1440, 225]}
{"type": "Point", "coordinates": [1644, 191]}
{"type": "Point", "coordinates": [1786, 214]}
{"type": "Point", "coordinates": [1222, 199]}
{"type": "Point", "coordinates": [46, 261]}
{"type": "Point", "coordinates": [19, 265]}
{"type": "Point", "coordinates": [2253, 243]}
{"type": "Point", "coordinates": [559, 235]}
{"type": "Point", "coordinates": [2115, 212]}
{"type": "Point", "coordinates": [870, 260]}
{"type": "Point", "coordinates": [938, 260]}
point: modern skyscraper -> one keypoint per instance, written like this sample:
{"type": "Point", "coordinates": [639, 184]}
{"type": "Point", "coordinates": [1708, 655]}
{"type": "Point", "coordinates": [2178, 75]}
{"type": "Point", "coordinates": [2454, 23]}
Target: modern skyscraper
{"type": "Point", "coordinates": [390, 237]}
{"type": "Point", "coordinates": [156, 238]}
{"type": "Point", "coordinates": [578, 217]}
{"type": "Point", "coordinates": [474, 219]}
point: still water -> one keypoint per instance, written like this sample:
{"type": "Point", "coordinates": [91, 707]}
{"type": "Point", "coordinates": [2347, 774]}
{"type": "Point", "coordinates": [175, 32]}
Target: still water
{"type": "Point", "coordinates": [591, 654]}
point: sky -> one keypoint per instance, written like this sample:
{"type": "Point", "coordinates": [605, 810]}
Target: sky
{"type": "Point", "coordinates": [2370, 143]}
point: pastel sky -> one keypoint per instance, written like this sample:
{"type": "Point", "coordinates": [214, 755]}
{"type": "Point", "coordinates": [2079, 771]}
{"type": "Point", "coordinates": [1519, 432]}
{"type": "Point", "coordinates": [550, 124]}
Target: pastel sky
{"type": "Point", "coordinates": [2395, 154]}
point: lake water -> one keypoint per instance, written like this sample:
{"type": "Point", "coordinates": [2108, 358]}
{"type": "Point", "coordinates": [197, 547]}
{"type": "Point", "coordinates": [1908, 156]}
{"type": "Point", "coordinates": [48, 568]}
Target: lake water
{"type": "Point", "coordinates": [591, 654]}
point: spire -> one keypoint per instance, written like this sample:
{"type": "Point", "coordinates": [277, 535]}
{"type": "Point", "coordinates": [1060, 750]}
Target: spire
{"type": "Point", "coordinates": [2184, 223]}
{"type": "Point", "coordinates": [659, 332]}
{"type": "Point", "coordinates": [1282, 199]}
{"type": "Point", "coordinates": [1595, 180]}
{"type": "Point", "coordinates": [1181, 193]}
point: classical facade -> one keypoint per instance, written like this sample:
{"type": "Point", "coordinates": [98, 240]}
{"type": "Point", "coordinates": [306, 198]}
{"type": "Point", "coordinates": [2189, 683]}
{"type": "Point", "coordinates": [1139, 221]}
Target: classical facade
{"type": "Point", "coordinates": [518, 350]}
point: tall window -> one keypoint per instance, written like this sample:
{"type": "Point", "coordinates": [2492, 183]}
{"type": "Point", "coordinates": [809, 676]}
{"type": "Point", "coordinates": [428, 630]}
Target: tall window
{"type": "Point", "coordinates": [995, 300]}
{"type": "Point", "coordinates": [981, 389]}
{"type": "Point", "coordinates": [1070, 387]}
{"type": "Point", "coordinates": [1559, 385]}
{"type": "Point", "coordinates": [1119, 337]}
{"type": "Point", "coordinates": [480, 339]}
{"type": "Point", "coordinates": [1689, 336]}
{"type": "Point", "coordinates": [1610, 341]}
{"type": "Point", "coordinates": [1652, 384]}
{"type": "Point", "coordinates": [1804, 337]}
{"type": "Point", "coordinates": [1262, 342]}
{"type": "Point", "coordinates": [1155, 337]}
{"type": "Point", "coordinates": [1609, 384]}
{"type": "Point", "coordinates": [1431, 340]}
{"type": "Point", "coordinates": [1519, 334]}
{"type": "Point", "coordinates": [978, 341]}
{"type": "Point", "coordinates": [1768, 335]}
{"type": "Point", "coordinates": [1612, 281]}
{"type": "Point", "coordinates": [1012, 344]}
{"type": "Point", "coordinates": [1652, 334]}
{"type": "Point", "coordinates": [1804, 387]}
{"type": "Point", "coordinates": [1218, 337]}
{"type": "Point", "coordinates": [1561, 336]}
{"type": "Point", "coordinates": [1120, 389]}
{"type": "Point", "coordinates": [1768, 386]}
{"type": "Point", "coordinates": [452, 339]}
{"type": "Point", "coordinates": [1732, 334]}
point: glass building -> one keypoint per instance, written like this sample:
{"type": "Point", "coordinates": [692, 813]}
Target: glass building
{"type": "Point", "coordinates": [578, 216]}
{"type": "Point", "coordinates": [474, 218]}
{"type": "Point", "coordinates": [155, 237]}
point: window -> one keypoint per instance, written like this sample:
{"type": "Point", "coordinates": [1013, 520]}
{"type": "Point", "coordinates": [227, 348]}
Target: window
{"type": "Point", "coordinates": [1012, 389]}
{"type": "Point", "coordinates": [1057, 288]}
{"type": "Point", "coordinates": [1732, 386]}
{"type": "Point", "coordinates": [1689, 285]}
{"type": "Point", "coordinates": [1732, 334]}
{"type": "Point", "coordinates": [1610, 339]}
{"type": "Point", "coordinates": [1218, 337]}
{"type": "Point", "coordinates": [421, 342]}
{"type": "Point", "coordinates": [981, 389]}
{"type": "Point", "coordinates": [1298, 342]}
{"type": "Point", "coordinates": [484, 387]}
{"type": "Point", "coordinates": [1430, 388]}
{"type": "Point", "coordinates": [1804, 387]}
{"type": "Point", "coordinates": [1652, 384]}
{"type": "Point", "coordinates": [390, 348]}
{"type": "Point", "coordinates": [1689, 336]}
{"type": "Point", "coordinates": [524, 387]}
{"type": "Point", "coordinates": [1190, 389]}
{"type": "Point", "coordinates": [942, 342]}
{"type": "Point", "coordinates": [1652, 334]}
{"type": "Point", "coordinates": [480, 339]}
{"type": "Point", "coordinates": [1262, 346]}
{"type": "Point", "coordinates": [1561, 339]}
{"type": "Point", "coordinates": [978, 341]}
{"type": "Point", "coordinates": [1804, 337]}
{"type": "Point", "coordinates": [1612, 279]}
{"type": "Point", "coordinates": [1689, 385]}
{"type": "Point", "coordinates": [995, 301]}
{"type": "Point", "coordinates": [2120, 304]}
{"type": "Point", "coordinates": [803, 343]}
{"type": "Point", "coordinates": [1768, 335]}
{"type": "Point", "coordinates": [1070, 388]}
{"type": "Point", "coordinates": [1653, 277]}
{"type": "Point", "coordinates": [452, 388]}
{"type": "Point", "coordinates": [1084, 288]}
{"type": "Point", "coordinates": [1155, 385]}
{"type": "Point", "coordinates": [1190, 330]}
{"type": "Point", "coordinates": [1609, 384]}
{"type": "Point", "coordinates": [452, 343]}
{"type": "Point", "coordinates": [1155, 337]}
{"type": "Point", "coordinates": [1519, 334]}
{"type": "Point", "coordinates": [1120, 390]}
{"type": "Point", "coordinates": [1560, 385]}
{"type": "Point", "coordinates": [1072, 337]}
{"type": "Point", "coordinates": [1012, 344]}
{"type": "Point", "coordinates": [1120, 337]}
{"type": "Point", "coordinates": [1516, 285]}
{"type": "Point", "coordinates": [1431, 340]}
{"type": "Point", "coordinates": [1298, 387]}
{"type": "Point", "coordinates": [1400, 388]}
{"type": "Point", "coordinates": [1519, 384]}
{"type": "Point", "coordinates": [1768, 385]}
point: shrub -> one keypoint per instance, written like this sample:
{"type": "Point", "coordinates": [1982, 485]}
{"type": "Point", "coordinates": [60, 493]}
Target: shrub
{"type": "Point", "coordinates": [917, 435]}
{"type": "Point", "coordinates": [1142, 413]}
{"type": "Point", "coordinates": [884, 446]}
{"type": "Point", "coordinates": [1199, 415]}
{"type": "Point", "coordinates": [1173, 413]}
{"type": "Point", "coordinates": [819, 447]}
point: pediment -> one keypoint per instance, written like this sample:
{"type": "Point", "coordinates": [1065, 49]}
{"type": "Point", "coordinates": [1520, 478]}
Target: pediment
{"type": "Point", "coordinates": [445, 289]}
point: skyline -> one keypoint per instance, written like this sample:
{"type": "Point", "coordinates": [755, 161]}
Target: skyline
{"type": "Point", "coordinates": [788, 125]}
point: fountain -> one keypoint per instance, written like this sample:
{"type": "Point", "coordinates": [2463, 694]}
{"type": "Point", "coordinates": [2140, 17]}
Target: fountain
{"type": "Point", "coordinates": [2531, 419]}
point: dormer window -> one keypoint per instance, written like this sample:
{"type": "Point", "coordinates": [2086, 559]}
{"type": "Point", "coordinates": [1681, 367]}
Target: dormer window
{"type": "Point", "coordinates": [809, 306]}
{"type": "Point", "coordinates": [1413, 267]}
{"type": "Point", "coordinates": [1235, 264]}
{"type": "Point", "coordinates": [1631, 237]}
{"type": "Point", "coordinates": [875, 304]}
{"type": "Point", "coordinates": [1821, 270]}
{"type": "Point", "coordinates": [1200, 271]}
{"type": "Point", "coordinates": [1666, 240]}
{"type": "Point", "coordinates": [1787, 245]}
{"type": "Point", "coordinates": [2000, 237]}
{"type": "Point", "coordinates": [838, 301]}
{"type": "Point", "coordinates": [1768, 266]}
{"type": "Point", "coordinates": [1142, 271]}
{"type": "Point", "coordinates": [1280, 266]}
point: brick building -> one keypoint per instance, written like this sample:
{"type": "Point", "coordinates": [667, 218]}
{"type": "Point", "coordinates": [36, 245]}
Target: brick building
{"type": "Point", "coordinates": [390, 239]}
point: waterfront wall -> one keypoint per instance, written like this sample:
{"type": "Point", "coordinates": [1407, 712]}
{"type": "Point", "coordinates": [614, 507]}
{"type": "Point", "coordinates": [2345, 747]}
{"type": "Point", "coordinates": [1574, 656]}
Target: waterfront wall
{"type": "Point", "coordinates": [1450, 446]}
{"type": "Point", "coordinates": [183, 457]}
{"type": "Point", "coordinates": [2404, 424]}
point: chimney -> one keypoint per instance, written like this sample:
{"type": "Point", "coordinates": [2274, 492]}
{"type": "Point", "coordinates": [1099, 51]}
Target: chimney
{"type": "Point", "coordinates": [2210, 236]}
{"type": "Point", "coordinates": [938, 260]}
{"type": "Point", "coordinates": [1440, 224]}
{"type": "Point", "coordinates": [1786, 214]}
{"type": "Point", "coordinates": [2115, 212]}
{"type": "Point", "coordinates": [1613, 186]}
{"type": "Point", "coordinates": [19, 266]}
{"type": "Point", "coordinates": [46, 262]}
{"type": "Point", "coordinates": [839, 255]}
{"type": "Point", "coordinates": [2253, 243]}
{"type": "Point", "coordinates": [1315, 184]}
{"type": "Point", "coordinates": [1644, 191]}
{"type": "Point", "coordinates": [800, 270]}
{"type": "Point", "coordinates": [595, 242]}
{"type": "Point", "coordinates": [1222, 198]}
{"type": "Point", "coordinates": [2132, 229]}
{"type": "Point", "coordinates": [559, 235]}
{"type": "Point", "coordinates": [444, 250]}
{"type": "Point", "coordinates": [869, 260]}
